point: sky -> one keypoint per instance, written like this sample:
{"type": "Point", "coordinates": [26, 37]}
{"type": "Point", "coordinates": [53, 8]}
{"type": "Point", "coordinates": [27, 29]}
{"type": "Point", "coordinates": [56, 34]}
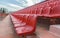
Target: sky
{"type": "Point", "coordinates": [14, 5]}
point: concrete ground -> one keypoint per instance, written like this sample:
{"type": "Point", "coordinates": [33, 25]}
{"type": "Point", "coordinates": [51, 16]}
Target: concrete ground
{"type": "Point", "coordinates": [7, 30]}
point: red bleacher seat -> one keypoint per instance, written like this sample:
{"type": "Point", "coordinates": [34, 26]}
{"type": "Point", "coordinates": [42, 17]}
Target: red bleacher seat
{"type": "Point", "coordinates": [39, 11]}
{"type": "Point", "coordinates": [24, 20]}
{"type": "Point", "coordinates": [55, 11]}
{"type": "Point", "coordinates": [30, 26]}
{"type": "Point", "coordinates": [16, 22]}
{"type": "Point", "coordinates": [46, 11]}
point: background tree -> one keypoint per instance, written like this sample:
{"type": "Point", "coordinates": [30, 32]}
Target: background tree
{"type": "Point", "coordinates": [3, 10]}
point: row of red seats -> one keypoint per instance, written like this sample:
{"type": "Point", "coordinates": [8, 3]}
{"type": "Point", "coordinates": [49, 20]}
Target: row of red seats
{"type": "Point", "coordinates": [26, 24]}
{"type": "Point", "coordinates": [43, 9]}
{"type": "Point", "coordinates": [55, 12]}
{"type": "Point", "coordinates": [25, 20]}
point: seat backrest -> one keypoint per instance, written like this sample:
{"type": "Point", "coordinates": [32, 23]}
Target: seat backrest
{"type": "Point", "coordinates": [33, 10]}
{"type": "Point", "coordinates": [25, 18]}
{"type": "Point", "coordinates": [54, 3]}
{"type": "Point", "coordinates": [14, 19]}
{"type": "Point", "coordinates": [32, 20]}
{"type": "Point", "coordinates": [39, 11]}
{"type": "Point", "coordinates": [55, 10]}
{"type": "Point", "coordinates": [57, 2]}
{"type": "Point", "coordinates": [19, 17]}
{"type": "Point", "coordinates": [53, 0]}
{"type": "Point", "coordinates": [46, 11]}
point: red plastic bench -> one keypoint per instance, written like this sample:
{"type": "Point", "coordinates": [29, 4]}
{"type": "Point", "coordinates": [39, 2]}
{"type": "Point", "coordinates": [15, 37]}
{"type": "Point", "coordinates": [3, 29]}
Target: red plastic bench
{"type": "Point", "coordinates": [17, 22]}
{"type": "Point", "coordinates": [55, 12]}
{"type": "Point", "coordinates": [30, 26]}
